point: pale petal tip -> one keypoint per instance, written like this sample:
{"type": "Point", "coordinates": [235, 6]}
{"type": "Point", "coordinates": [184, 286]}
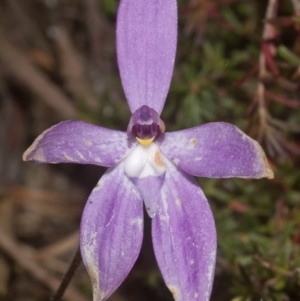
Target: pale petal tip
{"type": "Point", "coordinates": [94, 276]}
{"type": "Point", "coordinates": [25, 155]}
{"type": "Point", "coordinates": [174, 291]}
{"type": "Point", "coordinates": [267, 171]}
{"type": "Point", "coordinates": [98, 295]}
{"type": "Point", "coordinates": [34, 153]}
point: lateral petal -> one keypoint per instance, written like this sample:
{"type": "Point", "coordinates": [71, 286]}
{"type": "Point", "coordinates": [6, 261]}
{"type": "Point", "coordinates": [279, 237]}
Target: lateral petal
{"type": "Point", "coordinates": [146, 46]}
{"type": "Point", "coordinates": [216, 150]}
{"type": "Point", "coordinates": [79, 142]}
{"type": "Point", "coordinates": [184, 237]}
{"type": "Point", "coordinates": [111, 231]}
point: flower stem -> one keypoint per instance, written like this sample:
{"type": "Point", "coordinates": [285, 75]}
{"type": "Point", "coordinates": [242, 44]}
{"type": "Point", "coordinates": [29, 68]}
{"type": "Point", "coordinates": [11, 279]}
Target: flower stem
{"type": "Point", "coordinates": [67, 277]}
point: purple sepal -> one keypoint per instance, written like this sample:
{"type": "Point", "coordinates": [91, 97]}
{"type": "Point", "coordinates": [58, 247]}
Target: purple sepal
{"type": "Point", "coordinates": [184, 237]}
{"type": "Point", "coordinates": [149, 187]}
{"type": "Point", "coordinates": [146, 46]}
{"type": "Point", "coordinates": [216, 150]}
{"type": "Point", "coordinates": [111, 231]}
{"type": "Point", "coordinates": [79, 142]}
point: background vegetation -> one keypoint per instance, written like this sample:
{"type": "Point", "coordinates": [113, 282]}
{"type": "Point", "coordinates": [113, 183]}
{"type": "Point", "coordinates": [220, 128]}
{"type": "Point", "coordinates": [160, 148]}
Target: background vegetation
{"type": "Point", "coordinates": [237, 61]}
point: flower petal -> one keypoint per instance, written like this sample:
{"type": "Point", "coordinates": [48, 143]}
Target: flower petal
{"type": "Point", "coordinates": [79, 142]}
{"type": "Point", "coordinates": [111, 231]}
{"type": "Point", "coordinates": [149, 187]}
{"type": "Point", "coordinates": [184, 237]}
{"type": "Point", "coordinates": [146, 46]}
{"type": "Point", "coordinates": [216, 150]}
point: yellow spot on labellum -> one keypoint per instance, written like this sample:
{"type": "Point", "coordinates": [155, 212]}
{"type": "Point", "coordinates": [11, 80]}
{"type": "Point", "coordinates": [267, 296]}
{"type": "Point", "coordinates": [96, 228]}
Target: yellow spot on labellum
{"type": "Point", "coordinates": [158, 160]}
{"type": "Point", "coordinates": [145, 142]}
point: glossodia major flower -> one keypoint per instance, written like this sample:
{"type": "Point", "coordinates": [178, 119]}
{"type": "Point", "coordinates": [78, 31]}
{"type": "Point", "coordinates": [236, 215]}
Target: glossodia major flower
{"type": "Point", "coordinates": [147, 164]}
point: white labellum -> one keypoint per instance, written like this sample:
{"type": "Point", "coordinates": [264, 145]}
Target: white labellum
{"type": "Point", "coordinates": [144, 161]}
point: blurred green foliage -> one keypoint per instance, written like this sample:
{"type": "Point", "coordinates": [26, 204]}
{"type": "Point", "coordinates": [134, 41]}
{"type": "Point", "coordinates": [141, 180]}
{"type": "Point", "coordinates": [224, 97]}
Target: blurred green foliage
{"type": "Point", "coordinates": [215, 79]}
{"type": "Point", "coordinates": [257, 221]}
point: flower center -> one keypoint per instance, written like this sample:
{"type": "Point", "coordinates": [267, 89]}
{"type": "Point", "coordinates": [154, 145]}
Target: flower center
{"type": "Point", "coordinates": [145, 161]}
{"type": "Point", "coordinates": [145, 125]}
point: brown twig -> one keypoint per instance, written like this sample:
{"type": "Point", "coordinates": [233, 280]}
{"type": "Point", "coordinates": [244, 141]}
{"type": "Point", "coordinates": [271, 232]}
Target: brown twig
{"type": "Point", "coordinates": [262, 68]}
{"type": "Point", "coordinates": [272, 267]}
{"type": "Point", "coordinates": [6, 223]}
{"type": "Point", "coordinates": [296, 4]}
{"type": "Point", "coordinates": [18, 253]}
{"type": "Point", "coordinates": [269, 59]}
{"type": "Point", "coordinates": [25, 72]}
{"type": "Point", "coordinates": [101, 40]}
{"type": "Point", "coordinates": [292, 103]}
{"type": "Point", "coordinates": [73, 70]}
{"type": "Point", "coordinates": [62, 246]}
{"type": "Point", "coordinates": [93, 27]}
{"type": "Point", "coordinates": [27, 28]}
{"type": "Point", "coordinates": [249, 73]}
{"type": "Point", "coordinates": [48, 203]}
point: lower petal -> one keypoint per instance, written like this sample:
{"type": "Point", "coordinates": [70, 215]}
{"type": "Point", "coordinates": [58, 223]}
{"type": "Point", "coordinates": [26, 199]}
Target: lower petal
{"type": "Point", "coordinates": [111, 231]}
{"type": "Point", "coordinates": [184, 238]}
{"type": "Point", "coordinates": [149, 187]}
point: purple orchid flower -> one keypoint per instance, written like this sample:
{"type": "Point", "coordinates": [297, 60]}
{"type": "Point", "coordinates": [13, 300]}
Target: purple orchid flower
{"type": "Point", "coordinates": [147, 164]}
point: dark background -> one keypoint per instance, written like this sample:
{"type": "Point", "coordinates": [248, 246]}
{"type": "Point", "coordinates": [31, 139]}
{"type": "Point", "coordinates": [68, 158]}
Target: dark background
{"type": "Point", "coordinates": [235, 62]}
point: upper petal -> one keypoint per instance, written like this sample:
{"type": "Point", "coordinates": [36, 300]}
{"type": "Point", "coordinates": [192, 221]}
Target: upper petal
{"type": "Point", "coordinates": [146, 46]}
{"type": "Point", "coordinates": [79, 142]}
{"type": "Point", "coordinates": [216, 150]}
{"type": "Point", "coordinates": [111, 231]}
{"type": "Point", "coordinates": [184, 237]}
